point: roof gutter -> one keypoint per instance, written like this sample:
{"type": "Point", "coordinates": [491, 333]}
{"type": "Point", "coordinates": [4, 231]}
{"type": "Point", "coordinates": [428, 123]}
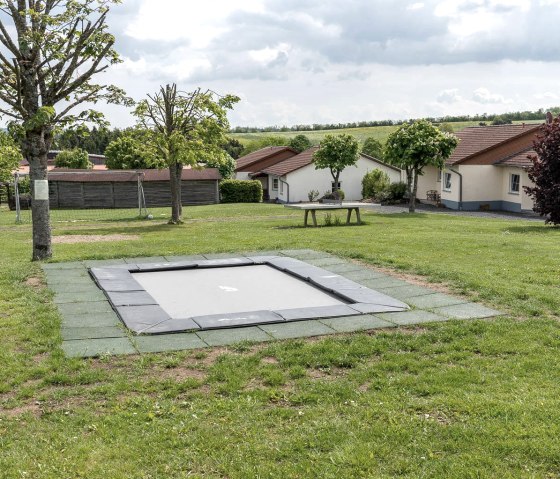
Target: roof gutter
{"type": "Point", "coordinates": [287, 189]}
{"type": "Point", "coordinates": [460, 187]}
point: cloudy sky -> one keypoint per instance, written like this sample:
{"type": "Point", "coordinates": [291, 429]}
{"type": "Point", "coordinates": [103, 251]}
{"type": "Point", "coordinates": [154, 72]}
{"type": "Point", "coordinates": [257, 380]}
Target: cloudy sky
{"type": "Point", "coordinates": [318, 61]}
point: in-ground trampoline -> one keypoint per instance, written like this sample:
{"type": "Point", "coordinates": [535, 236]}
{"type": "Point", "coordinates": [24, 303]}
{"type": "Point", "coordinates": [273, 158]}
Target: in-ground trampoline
{"type": "Point", "coordinates": [235, 292]}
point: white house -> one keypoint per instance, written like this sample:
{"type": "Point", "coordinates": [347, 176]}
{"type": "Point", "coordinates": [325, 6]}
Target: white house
{"type": "Point", "coordinates": [291, 180]}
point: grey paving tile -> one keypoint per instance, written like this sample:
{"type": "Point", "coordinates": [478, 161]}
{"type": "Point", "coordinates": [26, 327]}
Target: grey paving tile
{"type": "Point", "coordinates": [91, 320]}
{"type": "Point", "coordinates": [467, 311]}
{"type": "Point", "coordinates": [224, 337]}
{"type": "Point", "coordinates": [128, 284]}
{"type": "Point", "coordinates": [406, 292]}
{"type": "Point", "coordinates": [365, 295]}
{"type": "Point", "coordinates": [97, 347]}
{"type": "Point", "coordinates": [326, 262]}
{"type": "Point", "coordinates": [416, 316]}
{"type": "Point", "coordinates": [262, 253]}
{"type": "Point", "coordinates": [139, 318]}
{"type": "Point", "coordinates": [222, 255]}
{"type": "Point", "coordinates": [232, 320]}
{"type": "Point", "coordinates": [316, 312]}
{"type": "Point", "coordinates": [356, 323]}
{"type": "Point", "coordinates": [192, 257]}
{"type": "Point", "coordinates": [344, 268]}
{"type": "Point", "coordinates": [363, 274]}
{"type": "Point", "coordinates": [147, 267]}
{"type": "Point", "coordinates": [130, 298]}
{"type": "Point", "coordinates": [168, 342]}
{"type": "Point", "coordinates": [73, 309]}
{"type": "Point", "coordinates": [306, 271]}
{"type": "Point", "coordinates": [109, 273]}
{"type": "Point", "coordinates": [176, 325]}
{"type": "Point", "coordinates": [93, 333]}
{"type": "Point", "coordinates": [284, 263]}
{"type": "Point", "coordinates": [434, 300]}
{"type": "Point", "coordinates": [79, 297]}
{"type": "Point", "coordinates": [222, 262]}
{"type": "Point", "coordinates": [258, 259]}
{"type": "Point", "coordinates": [334, 282]}
{"type": "Point", "coordinates": [297, 329]}
{"type": "Point", "coordinates": [383, 282]}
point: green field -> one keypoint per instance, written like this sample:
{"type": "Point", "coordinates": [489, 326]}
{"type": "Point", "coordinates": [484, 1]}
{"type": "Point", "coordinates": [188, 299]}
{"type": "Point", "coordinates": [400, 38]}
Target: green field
{"type": "Point", "coordinates": [378, 132]}
{"type": "Point", "coordinates": [458, 399]}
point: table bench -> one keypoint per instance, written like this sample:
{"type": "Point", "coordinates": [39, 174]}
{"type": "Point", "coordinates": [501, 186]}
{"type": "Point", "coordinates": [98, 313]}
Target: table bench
{"type": "Point", "coordinates": [314, 207]}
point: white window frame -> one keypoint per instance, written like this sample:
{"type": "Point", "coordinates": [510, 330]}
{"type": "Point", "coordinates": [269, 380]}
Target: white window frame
{"type": "Point", "coordinates": [446, 177]}
{"type": "Point", "coordinates": [511, 190]}
{"type": "Point", "coordinates": [274, 184]}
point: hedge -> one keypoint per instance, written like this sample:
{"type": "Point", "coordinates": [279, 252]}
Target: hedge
{"type": "Point", "coordinates": [241, 191]}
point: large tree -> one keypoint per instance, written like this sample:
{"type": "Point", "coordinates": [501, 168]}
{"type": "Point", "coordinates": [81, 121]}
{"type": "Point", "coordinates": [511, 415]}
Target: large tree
{"type": "Point", "coordinates": [373, 147]}
{"type": "Point", "coordinates": [188, 128]}
{"type": "Point", "coordinates": [335, 153]}
{"type": "Point", "coordinates": [545, 172]}
{"type": "Point", "coordinates": [128, 153]}
{"type": "Point", "coordinates": [413, 146]}
{"type": "Point", "coordinates": [49, 52]}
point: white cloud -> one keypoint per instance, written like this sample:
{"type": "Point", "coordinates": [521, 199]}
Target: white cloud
{"type": "Point", "coordinates": [483, 95]}
{"type": "Point", "coordinates": [415, 6]}
{"type": "Point", "coordinates": [450, 95]}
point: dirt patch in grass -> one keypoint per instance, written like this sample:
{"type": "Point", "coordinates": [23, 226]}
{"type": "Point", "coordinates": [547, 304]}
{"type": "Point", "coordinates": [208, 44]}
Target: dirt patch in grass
{"type": "Point", "coordinates": [180, 373]}
{"type": "Point", "coordinates": [34, 282]}
{"type": "Point", "coordinates": [31, 408]}
{"type": "Point", "coordinates": [72, 239]}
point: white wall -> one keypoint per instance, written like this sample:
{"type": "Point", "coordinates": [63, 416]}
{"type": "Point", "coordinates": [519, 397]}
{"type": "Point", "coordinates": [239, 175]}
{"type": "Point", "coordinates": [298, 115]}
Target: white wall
{"type": "Point", "coordinates": [308, 178]}
{"type": "Point", "coordinates": [428, 181]}
{"type": "Point", "coordinates": [242, 175]}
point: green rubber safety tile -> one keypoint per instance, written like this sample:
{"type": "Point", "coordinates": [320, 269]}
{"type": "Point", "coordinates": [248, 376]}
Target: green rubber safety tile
{"type": "Point", "coordinates": [88, 348]}
{"type": "Point", "coordinates": [262, 253]}
{"type": "Point", "coordinates": [416, 316]}
{"type": "Point", "coordinates": [65, 280]}
{"type": "Point", "coordinates": [406, 291]}
{"type": "Point", "coordinates": [467, 311]}
{"type": "Point", "coordinates": [297, 329]}
{"type": "Point", "coordinates": [95, 263]}
{"type": "Point", "coordinates": [350, 324]}
{"type": "Point", "coordinates": [344, 268]}
{"type": "Point", "coordinates": [304, 254]}
{"type": "Point", "coordinates": [176, 259]}
{"type": "Point", "coordinates": [80, 287]}
{"type": "Point", "coordinates": [168, 342]}
{"type": "Point", "coordinates": [93, 333]}
{"type": "Point", "coordinates": [73, 309]}
{"type": "Point", "coordinates": [63, 266]}
{"type": "Point", "coordinates": [225, 337]}
{"type": "Point", "coordinates": [66, 274]}
{"type": "Point", "coordinates": [326, 262]}
{"type": "Point", "coordinates": [81, 297]}
{"type": "Point", "coordinates": [384, 282]}
{"type": "Point", "coordinates": [145, 259]}
{"type": "Point", "coordinates": [434, 300]}
{"type": "Point", "coordinates": [91, 320]}
{"type": "Point", "coordinates": [363, 274]}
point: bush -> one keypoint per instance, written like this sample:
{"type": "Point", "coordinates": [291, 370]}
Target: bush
{"type": "Point", "coordinates": [374, 183]}
{"type": "Point", "coordinates": [313, 195]}
{"type": "Point", "coordinates": [127, 153]}
{"type": "Point", "coordinates": [334, 196]}
{"type": "Point", "coordinates": [241, 191]}
{"type": "Point", "coordinates": [395, 193]}
{"type": "Point", "coordinates": [76, 158]}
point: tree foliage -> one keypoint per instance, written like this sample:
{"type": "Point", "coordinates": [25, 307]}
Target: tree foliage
{"type": "Point", "coordinates": [545, 172]}
{"type": "Point", "coordinates": [128, 153]}
{"type": "Point", "coordinates": [300, 143]}
{"type": "Point", "coordinates": [186, 128]}
{"type": "Point", "coordinates": [75, 158]}
{"type": "Point", "coordinates": [49, 52]}
{"type": "Point", "coordinates": [373, 148]}
{"type": "Point", "coordinates": [233, 147]}
{"type": "Point", "coordinates": [225, 164]}
{"type": "Point", "coordinates": [335, 153]}
{"type": "Point", "coordinates": [10, 157]}
{"type": "Point", "coordinates": [413, 146]}
{"type": "Point", "coordinates": [375, 182]}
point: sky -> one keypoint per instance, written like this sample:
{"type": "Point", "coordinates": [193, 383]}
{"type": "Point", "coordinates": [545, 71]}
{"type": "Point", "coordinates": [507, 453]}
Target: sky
{"type": "Point", "coordinates": [322, 61]}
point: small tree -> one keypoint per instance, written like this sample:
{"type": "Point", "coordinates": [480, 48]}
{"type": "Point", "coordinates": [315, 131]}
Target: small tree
{"type": "Point", "coordinates": [186, 129]}
{"type": "Point", "coordinates": [375, 182]}
{"type": "Point", "coordinates": [76, 158]}
{"type": "Point", "coordinates": [336, 152]}
{"type": "Point", "coordinates": [300, 143]}
{"type": "Point", "coordinates": [49, 52]}
{"type": "Point", "coordinates": [10, 156]}
{"type": "Point", "coordinates": [416, 145]}
{"type": "Point", "coordinates": [127, 153]}
{"type": "Point", "coordinates": [373, 148]}
{"type": "Point", "coordinates": [225, 164]}
{"type": "Point", "coordinates": [545, 172]}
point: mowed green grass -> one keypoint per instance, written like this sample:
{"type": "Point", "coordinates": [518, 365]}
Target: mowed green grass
{"type": "Point", "coordinates": [457, 399]}
{"type": "Point", "coordinates": [380, 133]}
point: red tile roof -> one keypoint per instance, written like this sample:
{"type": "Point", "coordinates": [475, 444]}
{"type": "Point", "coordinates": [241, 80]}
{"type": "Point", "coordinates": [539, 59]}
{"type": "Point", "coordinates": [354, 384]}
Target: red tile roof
{"type": "Point", "coordinates": [261, 154]}
{"type": "Point", "coordinates": [519, 160]}
{"type": "Point", "coordinates": [292, 164]}
{"type": "Point", "coordinates": [189, 174]}
{"type": "Point", "coordinates": [475, 140]}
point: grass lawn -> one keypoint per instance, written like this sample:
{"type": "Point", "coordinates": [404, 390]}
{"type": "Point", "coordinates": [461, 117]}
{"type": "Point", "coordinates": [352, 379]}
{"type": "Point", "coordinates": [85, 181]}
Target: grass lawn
{"type": "Point", "coordinates": [456, 399]}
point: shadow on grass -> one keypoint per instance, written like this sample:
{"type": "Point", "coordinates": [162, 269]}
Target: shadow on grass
{"type": "Point", "coordinates": [541, 229]}
{"type": "Point", "coordinates": [320, 226]}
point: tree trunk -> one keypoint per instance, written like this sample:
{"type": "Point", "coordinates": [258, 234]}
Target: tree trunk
{"type": "Point", "coordinates": [175, 174]}
{"type": "Point", "coordinates": [412, 199]}
{"type": "Point", "coordinates": [35, 150]}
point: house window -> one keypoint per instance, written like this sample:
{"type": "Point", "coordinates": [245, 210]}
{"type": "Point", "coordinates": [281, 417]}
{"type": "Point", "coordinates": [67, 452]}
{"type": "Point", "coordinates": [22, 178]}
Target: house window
{"type": "Point", "coordinates": [275, 184]}
{"type": "Point", "coordinates": [333, 184]}
{"type": "Point", "coordinates": [514, 184]}
{"type": "Point", "coordinates": [447, 182]}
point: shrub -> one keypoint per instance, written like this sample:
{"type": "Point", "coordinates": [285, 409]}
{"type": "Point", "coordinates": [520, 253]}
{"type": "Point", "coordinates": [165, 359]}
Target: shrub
{"type": "Point", "coordinates": [76, 158]}
{"type": "Point", "coordinates": [334, 196]}
{"type": "Point", "coordinates": [313, 195]}
{"type": "Point", "coordinates": [127, 153]}
{"type": "Point", "coordinates": [395, 193]}
{"type": "Point", "coordinates": [241, 191]}
{"type": "Point", "coordinates": [374, 183]}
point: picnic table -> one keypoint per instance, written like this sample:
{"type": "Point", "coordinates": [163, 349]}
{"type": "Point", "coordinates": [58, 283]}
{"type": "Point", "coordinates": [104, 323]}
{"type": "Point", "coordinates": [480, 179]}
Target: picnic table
{"type": "Point", "coordinates": [313, 207]}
